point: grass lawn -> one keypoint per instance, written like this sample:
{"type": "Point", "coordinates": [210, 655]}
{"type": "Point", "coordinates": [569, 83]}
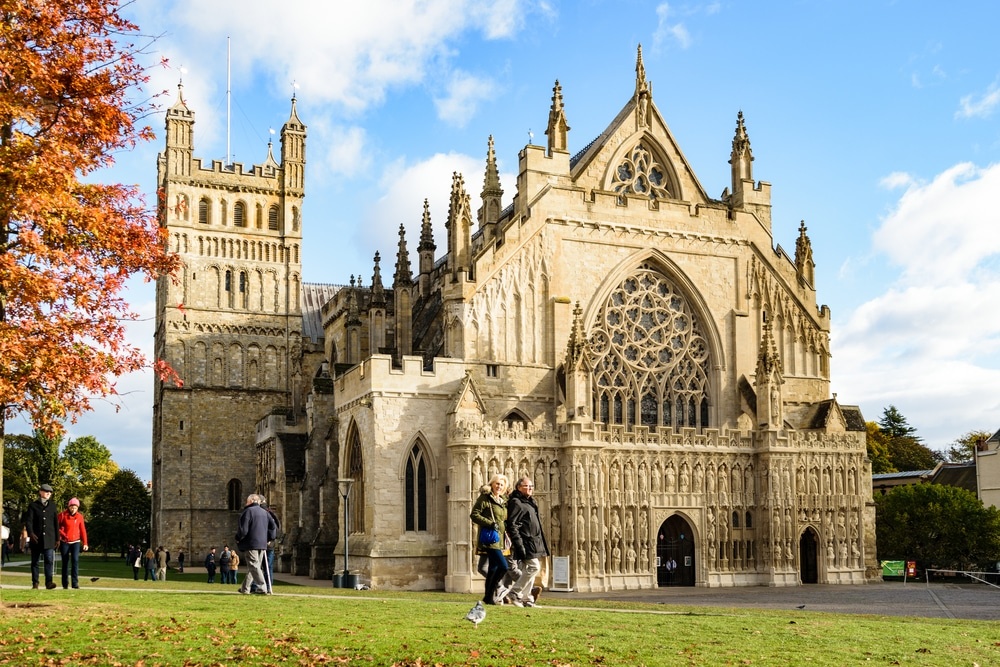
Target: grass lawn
{"type": "Point", "coordinates": [185, 621]}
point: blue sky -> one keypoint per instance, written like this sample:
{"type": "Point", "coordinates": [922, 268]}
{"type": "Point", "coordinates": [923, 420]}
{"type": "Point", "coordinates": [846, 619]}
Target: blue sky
{"type": "Point", "coordinates": [875, 122]}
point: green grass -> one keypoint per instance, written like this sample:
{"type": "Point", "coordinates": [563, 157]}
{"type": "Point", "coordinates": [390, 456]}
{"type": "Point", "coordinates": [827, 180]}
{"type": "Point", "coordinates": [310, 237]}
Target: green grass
{"type": "Point", "coordinates": [122, 622]}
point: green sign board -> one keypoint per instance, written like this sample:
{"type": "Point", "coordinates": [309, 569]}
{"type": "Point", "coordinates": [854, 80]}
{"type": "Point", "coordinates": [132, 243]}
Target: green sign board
{"type": "Point", "coordinates": [893, 568]}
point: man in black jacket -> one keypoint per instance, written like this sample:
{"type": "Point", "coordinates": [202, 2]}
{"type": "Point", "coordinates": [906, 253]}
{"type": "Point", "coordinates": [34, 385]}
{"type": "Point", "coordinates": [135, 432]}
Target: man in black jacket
{"type": "Point", "coordinates": [256, 528]}
{"type": "Point", "coordinates": [527, 541]}
{"type": "Point", "coordinates": [40, 526]}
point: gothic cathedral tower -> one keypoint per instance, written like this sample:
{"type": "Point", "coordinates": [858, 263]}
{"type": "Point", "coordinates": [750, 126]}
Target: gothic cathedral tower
{"type": "Point", "coordinates": [229, 323]}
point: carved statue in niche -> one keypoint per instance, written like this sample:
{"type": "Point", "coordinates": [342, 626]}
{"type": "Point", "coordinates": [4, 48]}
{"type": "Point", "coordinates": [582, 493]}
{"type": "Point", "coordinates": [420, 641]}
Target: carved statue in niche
{"type": "Point", "coordinates": [629, 527]}
{"type": "Point", "coordinates": [800, 480]}
{"type": "Point", "coordinates": [838, 477]}
{"type": "Point", "coordinates": [826, 481]}
{"type": "Point", "coordinates": [685, 476]}
{"type": "Point", "coordinates": [841, 527]}
{"type": "Point", "coordinates": [723, 486]}
{"type": "Point", "coordinates": [737, 477]}
{"type": "Point", "coordinates": [555, 529]}
{"type": "Point", "coordinates": [616, 559]}
{"type": "Point", "coordinates": [814, 481]}
{"type": "Point", "coordinates": [595, 525]}
{"type": "Point", "coordinates": [630, 559]}
{"type": "Point", "coordinates": [670, 478]}
{"type": "Point", "coordinates": [698, 486]}
{"type": "Point", "coordinates": [477, 476]}
{"type": "Point", "coordinates": [630, 485]}
{"type": "Point", "coordinates": [616, 527]}
{"type": "Point", "coordinates": [749, 485]}
{"type": "Point", "coordinates": [595, 558]}
{"type": "Point", "coordinates": [789, 527]}
{"type": "Point", "coordinates": [710, 480]}
{"type": "Point", "coordinates": [581, 480]}
{"type": "Point", "coordinates": [540, 478]}
{"type": "Point", "coordinates": [723, 529]}
{"type": "Point", "coordinates": [786, 481]}
{"type": "Point", "coordinates": [581, 526]}
{"type": "Point", "coordinates": [789, 554]}
{"type": "Point", "coordinates": [842, 552]}
{"type": "Point", "coordinates": [581, 556]}
{"type": "Point", "coordinates": [493, 468]}
{"type": "Point", "coordinates": [643, 483]}
{"type": "Point", "coordinates": [643, 557]}
{"type": "Point", "coordinates": [509, 472]}
{"type": "Point", "coordinates": [616, 484]}
{"type": "Point", "coordinates": [595, 488]}
{"type": "Point", "coordinates": [656, 477]}
{"type": "Point", "coordinates": [851, 485]}
{"type": "Point", "coordinates": [830, 555]}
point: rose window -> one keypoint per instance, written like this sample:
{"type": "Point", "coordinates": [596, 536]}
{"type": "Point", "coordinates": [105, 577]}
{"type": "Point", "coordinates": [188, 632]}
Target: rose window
{"type": "Point", "coordinates": [649, 356]}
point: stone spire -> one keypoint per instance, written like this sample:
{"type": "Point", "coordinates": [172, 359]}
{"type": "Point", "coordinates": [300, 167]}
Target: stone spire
{"type": "Point", "coordinates": [643, 93]}
{"type": "Point", "coordinates": [804, 265]}
{"type": "Point", "coordinates": [577, 343]}
{"type": "Point", "coordinates": [578, 375]}
{"type": "Point", "coordinates": [768, 381]}
{"type": "Point", "coordinates": [425, 251]}
{"type": "Point", "coordinates": [293, 152]}
{"type": "Point", "coordinates": [459, 225]}
{"type": "Point", "coordinates": [741, 158]}
{"type": "Point", "coordinates": [402, 289]}
{"type": "Point", "coordinates": [378, 290]}
{"type": "Point", "coordinates": [403, 275]}
{"type": "Point", "coordinates": [558, 127]}
{"type": "Point", "coordinates": [489, 213]}
{"type": "Point", "coordinates": [353, 325]}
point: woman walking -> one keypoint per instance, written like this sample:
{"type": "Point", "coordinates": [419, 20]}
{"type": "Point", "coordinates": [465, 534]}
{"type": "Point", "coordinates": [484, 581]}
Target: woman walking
{"type": "Point", "coordinates": [489, 513]}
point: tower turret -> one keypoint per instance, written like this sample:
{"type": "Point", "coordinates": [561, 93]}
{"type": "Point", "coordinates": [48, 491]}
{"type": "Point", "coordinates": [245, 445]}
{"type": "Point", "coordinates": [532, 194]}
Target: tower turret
{"type": "Point", "coordinates": [804, 265]}
{"type": "Point", "coordinates": [558, 128]}
{"type": "Point", "coordinates": [741, 160]}
{"type": "Point", "coordinates": [293, 152]}
{"type": "Point", "coordinates": [179, 154]}
{"type": "Point", "coordinates": [402, 287]}
{"type": "Point", "coordinates": [489, 213]}
{"type": "Point", "coordinates": [425, 251]}
{"type": "Point", "coordinates": [459, 227]}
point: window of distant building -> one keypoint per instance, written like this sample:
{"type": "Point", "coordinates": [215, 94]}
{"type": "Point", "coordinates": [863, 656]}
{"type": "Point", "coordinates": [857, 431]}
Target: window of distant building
{"type": "Point", "coordinates": [203, 211]}
{"type": "Point", "coordinates": [239, 214]}
{"type": "Point", "coordinates": [272, 218]}
{"type": "Point", "coordinates": [234, 495]}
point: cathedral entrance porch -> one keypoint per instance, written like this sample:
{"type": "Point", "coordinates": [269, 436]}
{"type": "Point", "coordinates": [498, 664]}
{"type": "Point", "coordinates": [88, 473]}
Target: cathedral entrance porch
{"type": "Point", "coordinates": [675, 558]}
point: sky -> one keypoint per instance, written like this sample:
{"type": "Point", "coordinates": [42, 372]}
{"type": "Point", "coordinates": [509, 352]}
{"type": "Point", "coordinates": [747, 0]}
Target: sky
{"type": "Point", "coordinates": [876, 123]}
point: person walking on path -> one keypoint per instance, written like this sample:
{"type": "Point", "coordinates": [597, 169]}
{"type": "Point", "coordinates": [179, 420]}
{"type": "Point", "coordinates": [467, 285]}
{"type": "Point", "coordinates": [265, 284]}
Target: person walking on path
{"type": "Point", "coordinates": [256, 528]}
{"type": "Point", "coordinates": [149, 561]}
{"type": "Point", "coordinates": [527, 541]}
{"type": "Point", "coordinates": [180, 561]}
{"type": "Point", "coordinates": [41, 529]}
{"type": "Point", "coordinates": [490, 512]}
{"type": "Point", "coordinates": [72, 537]}
{"type": "Point", "coordinates": [161, 564]}
{"type": "Point", "coordinates": [234, 567]}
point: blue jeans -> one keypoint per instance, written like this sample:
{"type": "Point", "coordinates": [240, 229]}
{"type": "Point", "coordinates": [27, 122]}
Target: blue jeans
{"type": "Point", "coordinates": [498, 568]}
{"type": "Point", "coordinates": [70, 560]}
{"type": "Point", "coordinates": [49, 555]}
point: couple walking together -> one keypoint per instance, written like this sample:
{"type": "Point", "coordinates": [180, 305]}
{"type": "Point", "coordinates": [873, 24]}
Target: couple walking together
{"type": "Point", "coordinates": [516, 521]}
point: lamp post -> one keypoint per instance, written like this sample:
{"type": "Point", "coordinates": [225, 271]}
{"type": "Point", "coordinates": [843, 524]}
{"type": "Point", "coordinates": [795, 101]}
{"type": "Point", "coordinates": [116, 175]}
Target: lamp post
{"type": "Point", "coordinates": [347, 581]}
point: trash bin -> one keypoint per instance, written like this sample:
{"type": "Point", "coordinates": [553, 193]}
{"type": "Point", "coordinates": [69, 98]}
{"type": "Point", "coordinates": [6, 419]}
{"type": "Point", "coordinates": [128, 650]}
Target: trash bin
{"type": "Point", "coordinates": [338, 581]}
{"type": "Point", "coordinates": [350, 580]}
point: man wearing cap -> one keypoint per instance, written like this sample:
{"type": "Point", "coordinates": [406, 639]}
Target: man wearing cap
{"type": "Point", "coordinates": [40, 526]}
{"type": "Point", "coordinates": [72, 534]}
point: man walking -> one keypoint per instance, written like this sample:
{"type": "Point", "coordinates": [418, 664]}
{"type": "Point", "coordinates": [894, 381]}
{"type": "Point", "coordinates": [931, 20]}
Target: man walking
{"type": "Point", "coordinates": [256, 528]}
{"type": "Point", "coordinates": [40, 527]}
{"type": "Point", "coordinates": [527, 542]}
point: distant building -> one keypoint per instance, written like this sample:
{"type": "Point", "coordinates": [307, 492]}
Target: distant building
{"type": "Point", "coordinates": [643, 351]}
{"type": "Point", "coordinates": [988, 470]}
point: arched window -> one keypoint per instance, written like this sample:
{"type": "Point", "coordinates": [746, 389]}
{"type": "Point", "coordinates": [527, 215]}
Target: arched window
{"type": "Point", "coordinates": [356, 471]}
{"type": "Point", "coordinates": [234, 495]}
{"type": "Point", "coordinates": [272, 218]}
{"type": "Point", "coordinates": [260, 217]}
{"type": "Point", "coordinates": [640, 173]}
{"type": "Point", "coordinates": [749, 521]}
{"type": "Point", "coordinates": [736, 519]}
{"type": "Point", "coordinates": [416, 490]}
{"type": "Point", "coordinates": [647, 347]}
{"type": "Point", "coordinates": [203, 211]}
{"type": "Point", "coordinates": [239, 214]}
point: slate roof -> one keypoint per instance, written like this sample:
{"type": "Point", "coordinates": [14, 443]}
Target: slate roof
{"type": "Point", "coordinates": [314, 295]}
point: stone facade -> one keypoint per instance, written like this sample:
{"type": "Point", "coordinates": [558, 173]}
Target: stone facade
{"type": "Point", "coordinates": [643, 351]}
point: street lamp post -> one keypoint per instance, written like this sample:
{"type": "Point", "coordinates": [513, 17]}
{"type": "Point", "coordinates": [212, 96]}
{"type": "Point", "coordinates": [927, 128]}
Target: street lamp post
{"type": "Point", "coordinates": [348, 580]}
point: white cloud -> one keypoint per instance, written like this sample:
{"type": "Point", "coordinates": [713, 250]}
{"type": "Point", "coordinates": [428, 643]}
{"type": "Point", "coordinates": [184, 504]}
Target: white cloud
{"type": "Point", "coordinates": [347, 151]}
{"type": "Point", "coordinates": [667, 31]}
{"type": "Point", "coordinates": [930, 344]}
{"type": "Point", "coordinates": [897, 179]}
{"type": "Point", "coordinates": [979, 106]}
{"type": "Point", "coordinates": [407, 185]}
{"type": "Point", "coordinates": [464, 93]}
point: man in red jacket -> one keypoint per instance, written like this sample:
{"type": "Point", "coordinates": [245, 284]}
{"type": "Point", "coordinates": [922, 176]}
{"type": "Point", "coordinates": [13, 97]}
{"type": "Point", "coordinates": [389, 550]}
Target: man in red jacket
{"type": "Point", "coordinates": [72, 534]}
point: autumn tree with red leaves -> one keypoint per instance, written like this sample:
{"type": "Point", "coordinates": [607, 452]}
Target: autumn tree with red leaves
{"type": "Point", "coordinates": [68, 74]}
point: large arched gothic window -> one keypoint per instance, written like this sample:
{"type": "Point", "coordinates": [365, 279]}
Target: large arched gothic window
{"type": "Point", "coordinates": [356, 471]}
{"type": "Point", "coordinates": [416, 490]}
{"type": "Point", "coordinates": [649, 356]}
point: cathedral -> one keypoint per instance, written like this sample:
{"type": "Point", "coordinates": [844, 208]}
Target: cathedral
{"type": "Point", "coordinates": [646, 353]}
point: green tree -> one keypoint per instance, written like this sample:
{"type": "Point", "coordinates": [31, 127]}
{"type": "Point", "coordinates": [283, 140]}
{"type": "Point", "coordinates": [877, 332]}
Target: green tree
{"type": "Point", "coordinates": [878, 449]}
{"type": "Point", "coordinates": [29, 461]}
{"type": "Point", "coordinates": [894, 425]}
{"type": "Point", "coordinates": [937, 525]}
{"type": "Point", "coordinates": [91, 465]}
{"type": "Point", "coordinates": [121, 513]}
{"type": "Point", "coordinates": [964, 448]}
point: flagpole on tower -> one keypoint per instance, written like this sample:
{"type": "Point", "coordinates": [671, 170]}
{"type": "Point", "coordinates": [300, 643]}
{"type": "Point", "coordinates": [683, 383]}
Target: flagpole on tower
{"type": "Point", "coordinates": [229, 95]}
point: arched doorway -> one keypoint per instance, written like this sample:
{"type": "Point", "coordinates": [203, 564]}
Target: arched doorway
{"type": "Point", "coordinates": [675, 553]}
{"type": "Point", "coordinates": [808, 557]}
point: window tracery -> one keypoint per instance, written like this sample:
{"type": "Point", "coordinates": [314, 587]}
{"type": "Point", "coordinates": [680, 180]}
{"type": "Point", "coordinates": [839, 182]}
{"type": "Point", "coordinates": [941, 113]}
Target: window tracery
{"type": "Point", "coordinates": [649, 356]}
{"type": "Point", "coordinates": [639, 173]}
